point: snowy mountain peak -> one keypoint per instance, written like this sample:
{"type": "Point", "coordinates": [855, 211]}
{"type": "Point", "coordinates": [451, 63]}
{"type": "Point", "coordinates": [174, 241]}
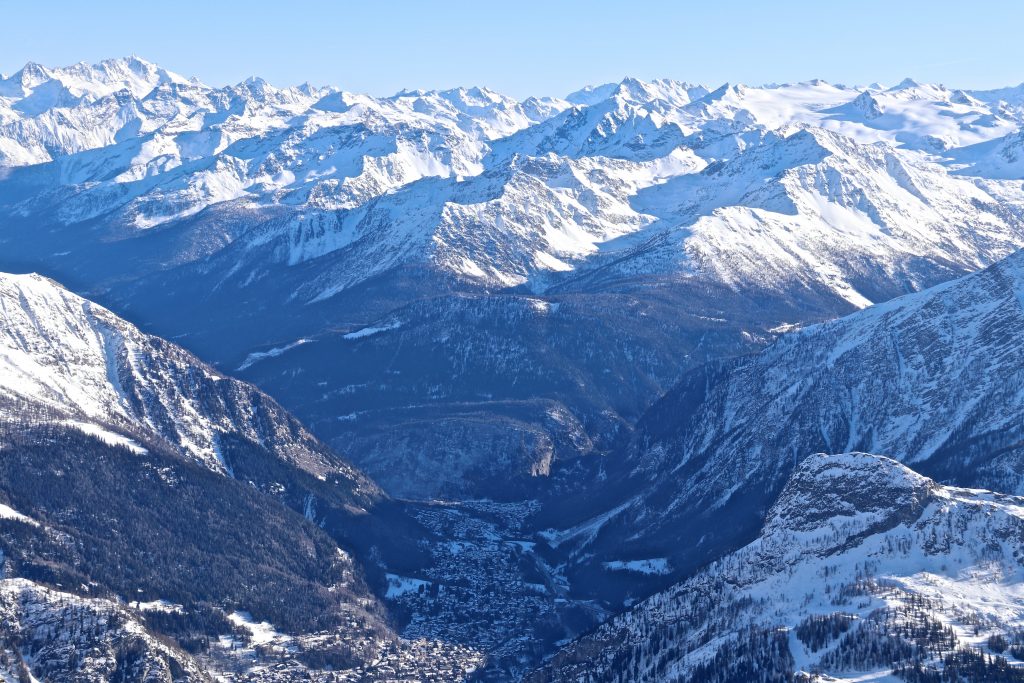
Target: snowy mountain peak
{"type": "Point", "coordinates": [256, 83]}
{"type": "Point", "coordinates": [473, 96]}
{"type": "Point", "coordinates": [868, 105]}
{"type": "Point", "coordinates": [134, 74]}
{"type": "Point", "coordinates": [592, 94]}
{"type": "Point", "coordinates": [789, 194]}
{"type": "Point", "coordinates": [721, 92]}
{"type": "Point", "coordinates": [664, 90]}
{"type": "Point", "coordinates": [32, 75]}
{"type": "Point", "coordinates": [906, 84]}
{"type": "Point", "coordinates": [634, 89]}
{"type": "Point", "coordinates": [910, 89]}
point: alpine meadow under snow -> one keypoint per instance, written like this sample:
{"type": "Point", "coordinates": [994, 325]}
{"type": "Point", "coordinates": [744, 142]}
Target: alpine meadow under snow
{"type": "Point", "coordinates": [653, 381]}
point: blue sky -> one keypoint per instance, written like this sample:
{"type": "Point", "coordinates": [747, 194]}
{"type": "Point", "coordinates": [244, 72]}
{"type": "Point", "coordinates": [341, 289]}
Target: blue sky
{"type": "Point", "coordinates": [531, 47]}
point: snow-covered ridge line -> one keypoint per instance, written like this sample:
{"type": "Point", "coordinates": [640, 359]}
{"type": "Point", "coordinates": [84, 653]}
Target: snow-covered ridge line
{"type": "Point", "coordinates": [93, 372]}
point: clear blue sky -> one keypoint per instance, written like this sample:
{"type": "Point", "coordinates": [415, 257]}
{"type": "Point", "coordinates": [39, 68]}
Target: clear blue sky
{"type": "Point", "coordinates": [527, 47]}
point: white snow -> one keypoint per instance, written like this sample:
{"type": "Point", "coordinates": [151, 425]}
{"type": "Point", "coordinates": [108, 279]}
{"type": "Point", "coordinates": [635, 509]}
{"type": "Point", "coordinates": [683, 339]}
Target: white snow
{"type": "Point", "coordinates": [107, 436]}
{"type": "Point", "coordinates": [257, 356]}
{"type": "Point", "coordinates": [400, 585]}
{"type": "Point", "coordinates": [585, 531]}
{"type": "Point", "coordinates": [658, 565]}
{"type": "Point", "coordinates": [260, 632]}
{"type": "Point", "coordinates": [157, 606]}
{"type": "Point", "coordinates": [367, 331]}
{"type": "Point", "coordinates": [7, 512]}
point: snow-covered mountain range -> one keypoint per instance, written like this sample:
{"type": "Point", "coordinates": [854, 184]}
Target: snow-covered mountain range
{"type": "Point", "coordinates": [530, 188]}
{"type": "Point", "coordinates": [268, 228]}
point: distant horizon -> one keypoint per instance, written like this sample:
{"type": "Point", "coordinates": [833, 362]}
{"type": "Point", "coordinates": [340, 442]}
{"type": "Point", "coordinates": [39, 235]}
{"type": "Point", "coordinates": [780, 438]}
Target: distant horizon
{"type": "Point", "coordinates": [540, 49]}
{"type": "Point", "coordinates": [711, 87]}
